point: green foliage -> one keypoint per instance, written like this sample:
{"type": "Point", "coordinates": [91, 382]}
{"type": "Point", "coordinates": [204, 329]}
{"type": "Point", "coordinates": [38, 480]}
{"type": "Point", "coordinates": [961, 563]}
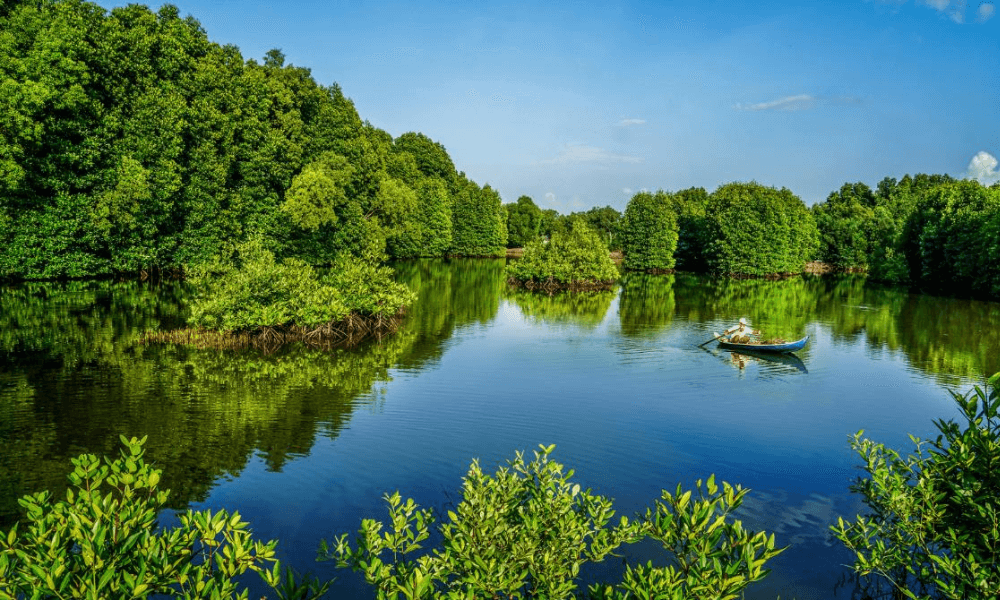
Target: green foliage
{"type": "Point", "coordinates": [934, 526]}
{"type": "Point", "coordinates": [692, 229]}
{"type": "Point", "coordinates": [953, 239]}
{"type": "Point", "coordinates": [606, 221]}
{"type": "Point", "coordinates": [552, 222]}
{"type": "Point", "coordinates": [524, 222]}
{"type": "Point", "coordinates": [103, 541]}
{"type": "Point", "coordinates": [758, 230]}
{"type": "Point", "coordinates": [479, 220]}
{"type": "Point", "coordinates": [250, 289]}
{"type": "Point", "coordinates": [318, 192]}
{"type": "Point", "coordinates": [649, 232]}
{"type": "Point", "coordinates": [428, 233]}
{"type": "Point", "coordinates": [578, 257]}
{"type": "Point", "coordinates": [130, 143]}
{"type": "Point", "coordinates": [526, 531]}
{"type": "Point", "coordinates": [890, 238]}
{"type": "Point", "coordinates": [712, 555]}
{"type": "Point", "coordinates": [844, 222]}
{"type": "Point", "coordinates": [431, 157]}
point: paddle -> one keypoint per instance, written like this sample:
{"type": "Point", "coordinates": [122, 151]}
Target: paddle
{"type": "Point", "coordinates": [717, 336]}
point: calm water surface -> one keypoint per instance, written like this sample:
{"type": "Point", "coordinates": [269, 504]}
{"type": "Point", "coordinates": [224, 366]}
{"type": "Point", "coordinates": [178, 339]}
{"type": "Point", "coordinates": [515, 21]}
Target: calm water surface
{"type": "Point", "coordinates": [304, 443]}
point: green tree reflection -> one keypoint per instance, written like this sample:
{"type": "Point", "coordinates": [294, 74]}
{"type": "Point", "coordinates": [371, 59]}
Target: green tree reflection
{"type": "Point", "coordinates": [581, 309]}
{"type": "Point", "coordinates": [647, 303]}
{"type": "Point", "coordinates": [72, 378]}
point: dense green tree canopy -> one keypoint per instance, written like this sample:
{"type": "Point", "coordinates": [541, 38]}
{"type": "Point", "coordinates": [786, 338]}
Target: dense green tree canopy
{"type": "Point", "coordinates": [524, 222]}
{"type": "Point", "coordinates": [692, 230]}
{"type": "Point", "coordinates": [130, 142]}
{"type": "Point", "coordinates": [479, 220]}
{"type": "Point", "coordinates": [431, 157]}
{"type": "Point", "coordinates": [758, 230]}
{"type": "Point", "coordinates": [844, 222]}
{"type": "Point", "coordinates": [954, 239]}
{"type": "Point", "coordinates": [649, 232]}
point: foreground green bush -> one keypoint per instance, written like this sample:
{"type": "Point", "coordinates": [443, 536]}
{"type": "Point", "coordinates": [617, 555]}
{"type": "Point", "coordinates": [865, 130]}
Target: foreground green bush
{"type": "Point", "coordinates": [250, 289]}
{"type": "Point", "coordinates": [103, 541]}
{"type": "Point", "coordinates": [934, 525]}
{"type": "Point", "coordinates": [572, 259]}
{"type": "Point", "coordinates": [526, 531]}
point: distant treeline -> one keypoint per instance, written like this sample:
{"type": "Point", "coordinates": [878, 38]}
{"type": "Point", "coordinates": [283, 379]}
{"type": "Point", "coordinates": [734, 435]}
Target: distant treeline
{"type": "Point", "coordinates": [741, 228]}
{"type": "Point", "coordinates": [931, 231]}
{"type": "Point", "coordinates": [129, 142]}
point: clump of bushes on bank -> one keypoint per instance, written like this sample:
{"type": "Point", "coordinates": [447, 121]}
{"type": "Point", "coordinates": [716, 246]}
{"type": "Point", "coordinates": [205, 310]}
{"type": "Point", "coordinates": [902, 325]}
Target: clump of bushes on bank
{"type": "Point", "coordinates": [575, 259]}
{"type": "Point", "coordinates": [248, 297]}
{"type": "Point", "coordinates": [526, 531]}
{"type": "Point", "coordinates": [649, 233]}
{"type": "Point", "coordinates": [930, 231]}
{"type": "Point", "coordinates": [739, 229]}
{"type": "Point", "coordinates": [103, 541]}
{"type": "Point", "coordinates": [933, 530]}
{"type": "Point", "coordinates": [758, 230]}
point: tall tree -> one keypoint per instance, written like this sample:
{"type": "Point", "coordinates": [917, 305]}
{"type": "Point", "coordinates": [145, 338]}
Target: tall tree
{"type": "Point", "coordinates": [480, 224]}
{"type": "Point", "coordinates": [649, 232]}
{"type": "Point", "coordinates": [524, 220]}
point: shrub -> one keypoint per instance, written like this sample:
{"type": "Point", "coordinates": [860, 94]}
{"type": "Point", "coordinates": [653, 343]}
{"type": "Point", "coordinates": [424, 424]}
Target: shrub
{"type": "Point", "coordinates": [758, 230]}
{"type": "Point", "coordinates": [526, 531]}
{"type": "Point", "coordinates": [649, 232]}
{"type": "Point", "coordinates": [934, 526]}
{"type": "Point", "coordinates": [103, 541]}
{"type": "Point", "coordinates": [576, 258]}
{"type": "Point", "coordinates": [250, 289]}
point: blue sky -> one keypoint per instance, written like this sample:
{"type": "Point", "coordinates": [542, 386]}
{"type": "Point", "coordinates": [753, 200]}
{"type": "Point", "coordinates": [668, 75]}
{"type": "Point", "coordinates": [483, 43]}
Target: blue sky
{"type": "Point", "coordinates": [581, 104]}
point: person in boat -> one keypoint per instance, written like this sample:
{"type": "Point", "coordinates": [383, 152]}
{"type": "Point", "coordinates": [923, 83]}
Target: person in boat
{"type": "Point", "coordinates": [741, 333]}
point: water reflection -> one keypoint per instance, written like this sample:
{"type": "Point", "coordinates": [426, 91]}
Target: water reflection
{"type": "Point", "coordinates": [770, 363]}
{"type": "Point", "coordinates": [582, 309]}
{"type": "Point", "coordinates": [647, 304]}
{"type": "Point", "coordinates": [72, 377]}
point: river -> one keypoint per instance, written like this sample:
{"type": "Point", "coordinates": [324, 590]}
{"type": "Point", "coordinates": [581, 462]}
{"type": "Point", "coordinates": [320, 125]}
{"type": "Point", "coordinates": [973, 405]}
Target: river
{"type": "Point", "coordinates": [304, 443]}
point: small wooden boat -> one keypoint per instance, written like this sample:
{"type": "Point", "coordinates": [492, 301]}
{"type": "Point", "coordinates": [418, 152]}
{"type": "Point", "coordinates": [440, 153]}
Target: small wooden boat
{"type": "Point", "coordinates": [785, 347]}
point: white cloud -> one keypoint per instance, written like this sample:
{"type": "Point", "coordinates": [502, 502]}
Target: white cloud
{"type": "Point", "coordinates": [954, 9]}
{"type": "Point", "coordinates": [581, 153]}
{"type": "Point", "coordinates": [627, 191]}
{"type": "Point", "coordinates": [627, 122]}
{"type": "Point", "coordinates": [800, 102]}
{"type": "Point", "coordinates": [550, 196]}
{"type": "Point", "coordinates": [983, 168]}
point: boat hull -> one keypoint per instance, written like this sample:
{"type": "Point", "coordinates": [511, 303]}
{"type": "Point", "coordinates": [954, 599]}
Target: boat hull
{"type": "Point", "coordinates": [786, 347]}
